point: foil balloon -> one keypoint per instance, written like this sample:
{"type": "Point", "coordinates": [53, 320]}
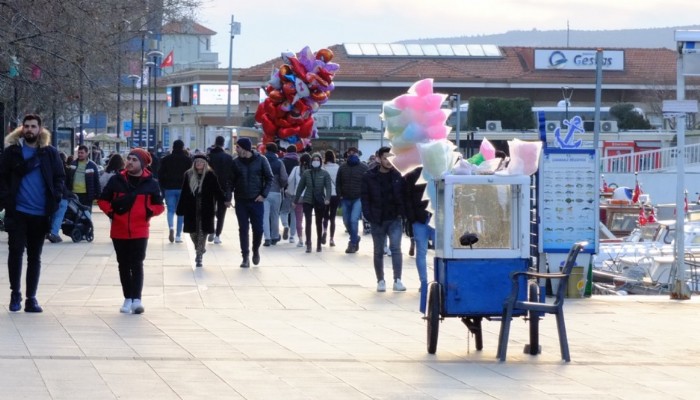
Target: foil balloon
{"type": "Point", "coordinates": [295, 92]}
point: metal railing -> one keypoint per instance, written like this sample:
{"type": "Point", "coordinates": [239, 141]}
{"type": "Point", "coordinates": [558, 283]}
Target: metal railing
{"type": "Point", "coordinates": [649, 161]}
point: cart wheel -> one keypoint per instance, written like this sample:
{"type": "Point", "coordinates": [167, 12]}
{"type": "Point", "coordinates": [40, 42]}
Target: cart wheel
{"type": "Point", "coordinates": [76, 235]}
{"type": "Point", "coordinates": [433, 316]}
{"type": "Point", "coordinates": [90, 236]}
{"type": "Point", "coordinates": [534, 317]}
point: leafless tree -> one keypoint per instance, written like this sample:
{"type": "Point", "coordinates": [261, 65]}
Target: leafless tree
{"type": "Point", "coordinates": [67, 48]}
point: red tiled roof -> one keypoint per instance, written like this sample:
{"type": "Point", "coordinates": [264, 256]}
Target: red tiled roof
{"type": "Point", "coordinates": [186, 27]}
{"type": "Point", "coordinates": [642, 66]}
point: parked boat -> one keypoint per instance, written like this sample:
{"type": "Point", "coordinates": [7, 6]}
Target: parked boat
{"type": "Point", "coordinates": [643, 262]}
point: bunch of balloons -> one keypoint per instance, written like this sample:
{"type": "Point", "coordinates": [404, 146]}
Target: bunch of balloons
{"type": "Point", "coordinates": [295, 91]}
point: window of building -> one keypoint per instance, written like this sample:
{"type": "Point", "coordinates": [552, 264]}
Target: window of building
{"type": "Point", "coordinates": [322, 120]}
{"type": "Point", "coordinates": [342, 120]}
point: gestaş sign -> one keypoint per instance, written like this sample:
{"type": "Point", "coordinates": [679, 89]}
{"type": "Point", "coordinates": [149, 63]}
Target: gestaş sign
{"type": "Point", "coordinates": [613, 60]}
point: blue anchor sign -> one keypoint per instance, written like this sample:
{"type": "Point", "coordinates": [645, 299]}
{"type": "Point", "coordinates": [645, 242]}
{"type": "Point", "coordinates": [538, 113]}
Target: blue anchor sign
{"type": "Point", "coordinates": [574, 125]}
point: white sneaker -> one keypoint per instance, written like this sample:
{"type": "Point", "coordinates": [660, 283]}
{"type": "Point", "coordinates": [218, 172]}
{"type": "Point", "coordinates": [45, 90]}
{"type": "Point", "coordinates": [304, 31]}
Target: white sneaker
{"type": "Point", "coordinates": [291, 239]}
{"type": "Point", "coordinates": [300, 244]}
{"type": "Point", "coordinates": [217, 240]}
{"type": "Point", "coordinates": [178, 239]}
{"type": "Point", "coordinates": [398, 286]}
{"type": "Point", "coordinates": [126, 307]}
{"type": "Point", "coordinates": [381, 286]}
{"type": "Point", "coordinates": [136, 306]}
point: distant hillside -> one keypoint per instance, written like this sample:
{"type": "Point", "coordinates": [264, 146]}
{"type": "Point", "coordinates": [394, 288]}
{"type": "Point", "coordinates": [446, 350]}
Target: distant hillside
{"type": "Point", "coordinates": [623, 38]}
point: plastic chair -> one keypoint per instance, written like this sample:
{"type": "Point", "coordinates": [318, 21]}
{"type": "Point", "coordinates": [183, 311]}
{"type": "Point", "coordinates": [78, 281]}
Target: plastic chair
{"type": "Point", "coordinates": [535, 308]}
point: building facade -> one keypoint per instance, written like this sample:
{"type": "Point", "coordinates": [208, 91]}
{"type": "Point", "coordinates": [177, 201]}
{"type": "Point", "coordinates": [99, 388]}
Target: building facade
{"type": "Point", "coordinates": [371, 74]}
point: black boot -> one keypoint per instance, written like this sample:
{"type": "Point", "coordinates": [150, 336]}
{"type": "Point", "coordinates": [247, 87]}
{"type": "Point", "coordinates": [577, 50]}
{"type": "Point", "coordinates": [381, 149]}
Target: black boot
{"type": "Point", "coordinates": [15, 301]}
{"type": "Point", "coordinates": [31, 305]}
{"type": "Point", "coordinates": [245, 263]}
{"type": "Point", "coordinates": [256, 257]}
{"type": "Point", "coordinates": [412, 249]}
{"type": "Point", "coordinates": [198, 260]}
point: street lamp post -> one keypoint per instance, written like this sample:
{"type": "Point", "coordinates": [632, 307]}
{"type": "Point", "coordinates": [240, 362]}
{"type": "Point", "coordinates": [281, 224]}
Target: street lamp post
{"type": "Point", "coordinates": [235, 30]}
{"type": "Point", "coordinates": [143, 56]}
{"type": "Point", "coordinates": [458, 102]}
{"type": "Point", "coordinates": [156, 55]}
{"type": "Point", "coordinates": [119, 83]}
{"type": "Point", "coordinates": [567, 92]}
{"type": "Point", "coordinates": [80, 104]}
{"type": "Point", "coordinates": [148, 64]}
{"type": "Point", "coordinates": [134, 79]}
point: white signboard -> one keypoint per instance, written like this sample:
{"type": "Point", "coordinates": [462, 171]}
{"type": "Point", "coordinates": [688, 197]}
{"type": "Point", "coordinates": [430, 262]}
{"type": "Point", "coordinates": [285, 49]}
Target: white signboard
{"type": "Point", "coordinates": [568, 199]}
{"type": "Point", "coordinates": [217, 94]}
{"type": "Point", "coordinates": [613, 60]}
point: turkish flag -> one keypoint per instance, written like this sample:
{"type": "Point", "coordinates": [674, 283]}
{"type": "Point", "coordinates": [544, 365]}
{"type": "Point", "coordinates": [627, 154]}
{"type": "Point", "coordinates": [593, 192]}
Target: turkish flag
{"type": "Point", "coordinates": [636, 193]}
{"type": "Point", "coordinates": [168, 61]}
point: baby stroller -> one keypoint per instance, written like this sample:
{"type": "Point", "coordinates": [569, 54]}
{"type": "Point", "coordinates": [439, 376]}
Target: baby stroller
{"type": "Point", "coordinates": [76, 222]}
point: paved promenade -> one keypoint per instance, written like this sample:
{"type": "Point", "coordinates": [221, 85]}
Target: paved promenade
{"type": "Point", "coordinates": [312, 326]}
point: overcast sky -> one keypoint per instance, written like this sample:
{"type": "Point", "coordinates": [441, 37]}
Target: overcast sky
{"type": "Point", "coordinates": [271, 27]}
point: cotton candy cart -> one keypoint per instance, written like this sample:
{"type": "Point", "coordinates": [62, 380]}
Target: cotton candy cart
{"type": "Point", "coordinates": [482, 235]}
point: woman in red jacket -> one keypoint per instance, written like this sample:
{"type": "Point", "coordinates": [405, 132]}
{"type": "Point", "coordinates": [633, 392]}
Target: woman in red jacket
{"type": "Point", "coordinates": [130, 199]}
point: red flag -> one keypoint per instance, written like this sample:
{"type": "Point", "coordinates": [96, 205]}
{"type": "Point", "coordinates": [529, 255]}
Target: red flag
{"type": "Point", "coordinates": [636, 193]}
{"type": "Point", "coordinates": [169, 60]}
{"type": "Point", "coordinates": [642, 220]}
{"type": "Point", "coordinates": [652, 217]}
{"type": "Point", "coordinates": [36, 72]}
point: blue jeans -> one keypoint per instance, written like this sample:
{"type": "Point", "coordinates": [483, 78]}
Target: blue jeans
{"type": "Point", "coordinates": [172, 196]}
{"type": "Point", "coordinates": [421, 234]}
{"type": "Point", "coordinates": [287, 215]}
{"type": "Point", "coordinates": [379, 233]}
{"type": "Point", "coordinates": [249, 213]}
{"type": "Point", "coordinates": [352, 209]}
{"type": "Point", "coordinates": [271, 215]}
{"type": "Point", "coordinates": [57, 217]}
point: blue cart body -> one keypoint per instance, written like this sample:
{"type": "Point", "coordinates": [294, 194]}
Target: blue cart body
{"type": "Point", "coordinates": [476, 287]}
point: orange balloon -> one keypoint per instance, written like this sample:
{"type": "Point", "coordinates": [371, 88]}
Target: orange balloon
{"type": "Point", "coordinates": [324, 55]}
{"type": "Point", "coordinates": [285, 70]}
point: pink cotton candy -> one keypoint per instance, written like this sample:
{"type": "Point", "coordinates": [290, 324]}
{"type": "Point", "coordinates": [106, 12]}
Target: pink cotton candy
{"type": "Point", "coordinates": [487, 150]}
{"type": "Point", "coordinates": [422, 87]}
{"type": "Point", "coordinates": [406, 160]}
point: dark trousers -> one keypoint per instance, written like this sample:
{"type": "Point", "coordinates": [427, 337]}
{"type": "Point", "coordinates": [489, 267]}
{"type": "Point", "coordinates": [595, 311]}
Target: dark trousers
{"type": "Point", "coordinates": [249, 213]}
{"type": "Point", "coordinates": [84, 200]}
{"type": "Point", "coordinates": [318, 211]}
{"type": "Point", "coordinates": [27, 231]}
{"type": "Point", "coordinates": [330, 212]}
{"type": "Point", "coordinates": [220, 216]}
{"type": "Point", "coordinates": [130, 256]}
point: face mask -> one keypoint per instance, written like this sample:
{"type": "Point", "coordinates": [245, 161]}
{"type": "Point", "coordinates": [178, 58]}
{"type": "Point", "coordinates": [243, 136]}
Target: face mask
{"type": "Point", "coordinates": [315, 164]}
{"type": "Point", "coordinates": [353, 159]}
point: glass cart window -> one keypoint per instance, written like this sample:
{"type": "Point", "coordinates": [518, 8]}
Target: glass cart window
{"type": "Point", "coordinates": [486, 211]}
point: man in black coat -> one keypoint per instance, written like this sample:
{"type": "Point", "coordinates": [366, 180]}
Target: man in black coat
{"type": "Point", "coordinates": [220, 162]}
{"type": "Point", "coordinates": [383, 206]}
{"type": "Point", "coordinates": [250, 179]}
{"type": "Point", "coordinates": [31, 187]}
{"type": "Point", "coordinates": [348, 184]}
{"type": "Point", "coordinates": [171, 174]}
